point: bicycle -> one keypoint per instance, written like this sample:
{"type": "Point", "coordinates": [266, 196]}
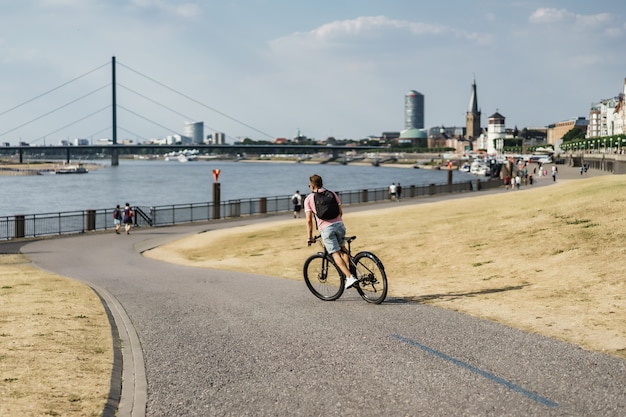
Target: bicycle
{"type": "Point", "coordinates": [326, 281]}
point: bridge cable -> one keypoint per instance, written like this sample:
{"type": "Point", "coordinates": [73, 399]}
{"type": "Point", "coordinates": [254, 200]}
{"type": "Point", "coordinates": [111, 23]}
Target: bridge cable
{"type": "Point", "coordinates": [149, 120]}
{"type": "Point", "coordinates": [54, 110]}
{"type": "Point", "coordinates": [165, 107]}
{"type": "Point", "coordinates": [196, 101]}
{"type": "Point", "coordinates": [161, 104]}
{"type": "Point", "coordinates": [54, 89]}
{"type": "Point", "coordinates": [73, 123]}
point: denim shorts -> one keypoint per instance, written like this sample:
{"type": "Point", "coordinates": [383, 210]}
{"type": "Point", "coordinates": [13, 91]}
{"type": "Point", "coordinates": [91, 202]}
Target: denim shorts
{"type": "Point", "coordinates": [333, 236]}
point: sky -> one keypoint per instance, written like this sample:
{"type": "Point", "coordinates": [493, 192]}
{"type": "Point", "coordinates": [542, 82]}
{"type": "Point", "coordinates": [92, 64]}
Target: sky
{"type": "Point", "coordinates": [264, 69]}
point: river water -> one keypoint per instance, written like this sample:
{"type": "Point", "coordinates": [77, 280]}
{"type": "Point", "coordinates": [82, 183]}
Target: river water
{"type": "Point", "coordinates": [158, 182]}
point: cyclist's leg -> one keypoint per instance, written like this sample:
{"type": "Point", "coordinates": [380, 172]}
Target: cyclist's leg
{"type": "Point", "coordinates": [338, 257]}
{"type": "Point", "coordinates": [333, 237]}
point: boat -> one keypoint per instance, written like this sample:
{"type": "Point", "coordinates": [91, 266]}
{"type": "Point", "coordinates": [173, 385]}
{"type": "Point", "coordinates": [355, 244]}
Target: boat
{"type": "Point", "coordinates": [479, 168]}
{"type": "Point", "coordinates": [71, 169]}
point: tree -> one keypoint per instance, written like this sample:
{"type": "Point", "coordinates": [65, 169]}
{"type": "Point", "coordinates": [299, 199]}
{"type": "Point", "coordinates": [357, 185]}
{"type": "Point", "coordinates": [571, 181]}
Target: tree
{"type": "Point", "coordinates": [574, 134]}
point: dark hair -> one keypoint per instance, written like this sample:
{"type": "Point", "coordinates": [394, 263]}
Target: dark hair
{"type": "Point", "coordinates": [316, 180]}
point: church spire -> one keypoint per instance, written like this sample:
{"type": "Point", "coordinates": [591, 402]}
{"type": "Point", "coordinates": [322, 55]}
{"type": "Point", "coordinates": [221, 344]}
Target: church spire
{"type": "Point", "coordinates": [472, 119]}
{"type": "Point", "coordinates": [473, 104]}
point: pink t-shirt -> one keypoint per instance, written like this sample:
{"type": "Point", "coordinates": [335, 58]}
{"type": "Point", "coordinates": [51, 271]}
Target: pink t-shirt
{"type": "Point", "coordinates": [309, 205]}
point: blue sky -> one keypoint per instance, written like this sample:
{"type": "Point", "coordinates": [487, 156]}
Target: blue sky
{"type": "Point", "coordinates": [268, 68]}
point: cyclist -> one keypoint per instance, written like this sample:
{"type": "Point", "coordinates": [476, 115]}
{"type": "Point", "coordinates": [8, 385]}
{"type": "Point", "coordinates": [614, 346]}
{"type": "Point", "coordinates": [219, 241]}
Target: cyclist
{"type": "Point", "coordinates": [332, 231]}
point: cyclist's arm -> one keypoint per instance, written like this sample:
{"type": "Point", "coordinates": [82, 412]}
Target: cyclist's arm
{"type": "Point", "coordinates": [309, 225]}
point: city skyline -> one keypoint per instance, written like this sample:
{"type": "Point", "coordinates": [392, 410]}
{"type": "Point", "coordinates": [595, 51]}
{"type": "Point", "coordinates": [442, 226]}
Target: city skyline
{"type": "Point", "coordinates": [326, 69]}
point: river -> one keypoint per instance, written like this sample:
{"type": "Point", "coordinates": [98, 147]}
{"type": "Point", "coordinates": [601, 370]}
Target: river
{"type": "Point", "coordinates": [158, 182]}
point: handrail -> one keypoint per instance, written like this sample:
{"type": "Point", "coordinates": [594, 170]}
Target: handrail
{"type": "Point", "coordinates": [75, 222]}
{"type": "Point", "coordinates": [139, 212]}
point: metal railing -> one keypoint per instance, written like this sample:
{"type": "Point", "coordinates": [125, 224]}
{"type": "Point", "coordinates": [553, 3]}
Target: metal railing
{"type": "Point", "coordinates": [48, 224]}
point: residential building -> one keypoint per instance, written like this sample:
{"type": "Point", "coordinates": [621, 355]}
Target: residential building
{"type": "Point", "coordinates": [608, 117]}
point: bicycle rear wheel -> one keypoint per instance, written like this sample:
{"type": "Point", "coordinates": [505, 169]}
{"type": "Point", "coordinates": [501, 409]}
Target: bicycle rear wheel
{"type": "Point", "coordinates": [323, 277]}
{"type": "Point", "coordinates": [370, 272]}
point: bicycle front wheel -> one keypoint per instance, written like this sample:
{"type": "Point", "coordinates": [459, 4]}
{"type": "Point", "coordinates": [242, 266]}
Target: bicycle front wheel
{"type": "Point", "coordinates": [323, 277]}
{"type": "Point", "coordinates": [370, 272]}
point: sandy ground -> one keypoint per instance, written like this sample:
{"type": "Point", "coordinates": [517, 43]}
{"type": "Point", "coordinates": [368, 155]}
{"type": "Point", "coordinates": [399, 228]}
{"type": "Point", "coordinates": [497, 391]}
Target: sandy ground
{"type": "Point", "coordinates": [542, 263]}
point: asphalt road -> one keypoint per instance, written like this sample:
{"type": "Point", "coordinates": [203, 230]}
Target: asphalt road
{"type": "Point", "coordinates": [200, 342]}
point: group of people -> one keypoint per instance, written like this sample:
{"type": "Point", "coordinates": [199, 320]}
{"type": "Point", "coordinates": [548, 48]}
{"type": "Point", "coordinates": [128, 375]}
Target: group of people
{"type": "Point", "coordinates": [395, 191]}
{"type": "Point", "coordinates": [523, 177]}
{"type": "Point", "coordinates": [124, 216]}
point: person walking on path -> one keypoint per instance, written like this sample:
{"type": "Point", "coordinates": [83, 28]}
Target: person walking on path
{"type": "Point", "coordinates": [398, 192]}
{"type": "Point", "coordinates": [128, 218]}
{"type": "Point", "coordinates": [554, 171]}
{"type": "Point", "coordinates": [332, 230]}
{"type": "Point", "coordinates": [392, 191]}
{"type": "Point", "coordinates": [117, 218]}
{"type": "Point", "coordinates": [296, 200]}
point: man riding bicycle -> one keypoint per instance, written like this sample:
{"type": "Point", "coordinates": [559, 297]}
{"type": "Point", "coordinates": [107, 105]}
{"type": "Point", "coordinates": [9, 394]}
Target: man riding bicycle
{"type": "Point", "coordinates": [332, 230]}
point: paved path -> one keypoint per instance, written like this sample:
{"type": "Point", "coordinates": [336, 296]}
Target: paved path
{"type": "Point", "coordinates": [198, 342]}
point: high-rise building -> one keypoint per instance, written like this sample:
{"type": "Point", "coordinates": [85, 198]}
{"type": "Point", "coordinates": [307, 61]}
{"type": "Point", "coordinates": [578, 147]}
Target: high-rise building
{"type": "Point", "coordinates": [217, 138]}
{"type": "Point", "coordinates": [195, 131]}
{"type": "Point", "coordinates": [414, 110]}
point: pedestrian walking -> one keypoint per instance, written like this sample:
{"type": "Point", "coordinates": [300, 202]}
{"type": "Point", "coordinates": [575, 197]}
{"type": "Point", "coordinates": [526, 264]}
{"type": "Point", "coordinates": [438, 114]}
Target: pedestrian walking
{"type": "Point", "coordinates": [128, 218]}
{"type": "Point", "coordinates": [117, 218]}
{"type": "Point", "coordinates": [296, 200]}
{"type": "Point", "coordinates": [392, 191]}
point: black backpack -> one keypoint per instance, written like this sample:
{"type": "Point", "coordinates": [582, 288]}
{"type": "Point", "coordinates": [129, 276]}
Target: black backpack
{"type": "Point", "coordinates": [326, 206]}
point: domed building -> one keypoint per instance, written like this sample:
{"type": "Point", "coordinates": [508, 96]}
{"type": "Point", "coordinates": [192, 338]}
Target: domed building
{"type": "Point", "coordinates": [414, 136]}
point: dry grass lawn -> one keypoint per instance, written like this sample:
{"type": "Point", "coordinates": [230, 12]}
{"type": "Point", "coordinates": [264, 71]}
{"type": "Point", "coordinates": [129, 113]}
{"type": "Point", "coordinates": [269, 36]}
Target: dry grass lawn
{"type": "Point", "coordinates": [55, 344]}
{"type": "Point", "coordinates": [545, 260]}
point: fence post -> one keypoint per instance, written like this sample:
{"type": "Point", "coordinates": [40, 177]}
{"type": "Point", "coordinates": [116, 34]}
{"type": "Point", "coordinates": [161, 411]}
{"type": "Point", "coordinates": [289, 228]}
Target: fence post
{"type": "Point", "coordinates": [263, 205]}
{"type": "Point", "coordinates": [90, 221]}
{"type": "Point", "coordinates": [235, 208]}
{"type": "Point", "coordinates": [216, 200]}
{"type": "Point", "coordinates": [20, 229]}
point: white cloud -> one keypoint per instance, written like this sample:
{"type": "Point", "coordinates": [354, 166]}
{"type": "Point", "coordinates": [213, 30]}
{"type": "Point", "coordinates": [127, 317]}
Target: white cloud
{"type": "Point", "coordinates": [363, 30]}
{"type": "Point", "coordinates": [547, 15]}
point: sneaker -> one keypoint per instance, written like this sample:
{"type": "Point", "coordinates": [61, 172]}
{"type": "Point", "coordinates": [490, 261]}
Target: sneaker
{"type": "Point", "coordinates": [350, 281]}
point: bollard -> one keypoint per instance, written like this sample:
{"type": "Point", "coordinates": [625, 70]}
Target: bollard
{"type": "Point", "coordinates": [431, 189]}
{"type": "Point", "coordinates": [412, 191]}
{"type": "Point", "coordinates": [90, 220]}
{"type": "Point", "coordinates": [20, 223]}
{"type": "Point", "coordinates": [216, 200]}
{"type": "Point", "coordinates": [262, 205]}
{"type": "Point", "coordinates": [363, 196]}
{"type": "Point", "coordinates": [478, 187]}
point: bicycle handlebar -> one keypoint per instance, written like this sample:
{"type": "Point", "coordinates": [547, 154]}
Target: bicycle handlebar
{"type": "Point", "coordinates": [313, 240]}
{"type": "Point", "coordinates": [348, 239]}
